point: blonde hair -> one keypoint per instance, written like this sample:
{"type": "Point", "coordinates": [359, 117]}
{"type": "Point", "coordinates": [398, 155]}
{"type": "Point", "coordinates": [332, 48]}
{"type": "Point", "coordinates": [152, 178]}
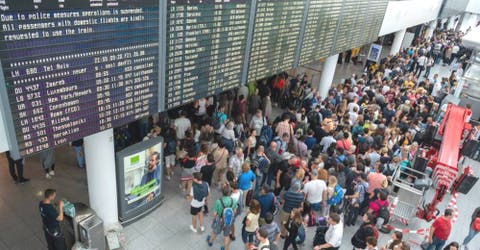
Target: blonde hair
{"type": "Point", "coordinates": [297, 215]}
{"type": "Point", "coordinates": [300, 174]}
{"type": "Point", "coordinates": [245, 167]}
{"type": "Point", "coordinates": [332, 180]}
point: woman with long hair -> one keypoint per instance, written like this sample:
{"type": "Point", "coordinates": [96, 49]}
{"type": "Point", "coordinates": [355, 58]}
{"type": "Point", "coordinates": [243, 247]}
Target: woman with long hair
{"type": "Point", "coordinates": [250, 224]}
{"type": "Point", "coordinates": [394, 242]}
{"type": "Point", "coordinates": [293, 225]}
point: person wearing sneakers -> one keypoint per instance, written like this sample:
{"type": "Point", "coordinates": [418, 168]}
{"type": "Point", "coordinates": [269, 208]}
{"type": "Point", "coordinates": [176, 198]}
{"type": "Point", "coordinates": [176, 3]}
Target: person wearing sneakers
{"type": "Point", "coordinates": [17, 175]}
{"type": "Point", "coordinates": [47, 158]}
{"type": "Point", "coordinates": [198, 198]}
{"type": "Point", "coordinates": [223, 217]}
{"type": "Point", "coordinates": [170, 150]}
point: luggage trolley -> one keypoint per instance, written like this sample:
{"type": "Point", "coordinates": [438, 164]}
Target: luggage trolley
{"type": "Point", "coordinates": [410, 186]}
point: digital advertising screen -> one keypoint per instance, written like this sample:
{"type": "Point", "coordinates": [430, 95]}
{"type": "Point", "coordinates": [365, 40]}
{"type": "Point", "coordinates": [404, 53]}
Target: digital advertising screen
{"type": "Point", "coordinates": [139, 178]}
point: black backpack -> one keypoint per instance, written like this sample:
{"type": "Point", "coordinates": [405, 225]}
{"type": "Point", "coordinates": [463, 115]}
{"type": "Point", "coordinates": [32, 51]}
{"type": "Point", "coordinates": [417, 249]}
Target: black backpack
{"type": "Point", "coordinates": [383, 212]}
{"type": "Point", "coordinates": [216, 121]}
{"type": "Point", "coordinates": [272, 246]}
{"type": "Point", "coordinates": [313, 118]}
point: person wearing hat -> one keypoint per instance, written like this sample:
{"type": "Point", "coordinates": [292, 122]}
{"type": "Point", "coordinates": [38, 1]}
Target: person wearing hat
{"type": "Point", "coordinates": [293, 198]}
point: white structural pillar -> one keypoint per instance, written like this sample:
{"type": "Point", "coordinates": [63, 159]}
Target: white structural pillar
{"type": "Point", "coordinates": [397, 41]}
{"type": "Point", "coordinates": [326, 79]}
{"type": "Point", "coordinates": [431, 28]}
{"type": "Point", "coordinates": [451, 22]}
{"type": "Point", "coordinates": [101, 177]}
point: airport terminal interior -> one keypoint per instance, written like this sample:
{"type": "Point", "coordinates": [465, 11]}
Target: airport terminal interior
{"type": "Point", "coordinates": [240, 124]}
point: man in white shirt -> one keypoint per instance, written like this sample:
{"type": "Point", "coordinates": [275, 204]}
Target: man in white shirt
{"type": "Point", "coordinates": [326, 141]}
{"type": "Point", "coordinates": [182, 124]}
{"type": "Point", "coordinates": [258, 121]}
{"type": "Point", "coordinates": [236, 161]}
{"type": "Point", "coordinates": [353, 104]}
{"type": "Point", "coordinates": [422, 61]}
{"type": "Point", "coordinates": [315, 191]}
{"type": "Point", "coordinates": [353, 116]}
{"type": "Point", "coordinates": [334, 234]}
{"type": "Point", "coordinates": [455, 50]}
{"type": "Point", "coordinates": [263, 242]}
{"type": "Point", "coordinates": [437, 86]}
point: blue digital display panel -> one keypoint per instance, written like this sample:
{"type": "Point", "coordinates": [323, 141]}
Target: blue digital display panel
{"type": "Point", "coordinates": [76, 67]}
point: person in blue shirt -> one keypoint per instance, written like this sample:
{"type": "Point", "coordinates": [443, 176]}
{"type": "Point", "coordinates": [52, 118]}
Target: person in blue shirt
{"type": "Point", "coordinates": [266, 199]}
{"type": "Point", "coordinates": [310, 140]}
{"type": "Point", "coordinates": [246, 178]}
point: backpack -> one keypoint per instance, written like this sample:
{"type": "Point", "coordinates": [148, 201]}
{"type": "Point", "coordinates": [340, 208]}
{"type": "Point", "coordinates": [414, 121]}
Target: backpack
{"type": "Point", "coordinates": [383, 212]}
{"type": "Point", "coordinates": [272, 246]}
{"type": "Point", "coordinates": [266, 135]}
{"type": "Point", "coordinates": [201, 191]}
{"type": "Point", "coordinates": [216, 121]}
{"type": "Point", "coordinates": [313, 118]}
{"type": "Point", "coordinates": [378, 141]}
{"type": "Point", "coordinates": [227, 214]}
{"type": "Point", "coordinates": [359, 242]}
{"type": "Point", "coordinates": [337, 196]}
{"type": "Point", "coordinates": [300, 234]}
{"type": "Point", "coordinates": [259, 163]}
{"type": "Point", "coordinates": [171, 146]}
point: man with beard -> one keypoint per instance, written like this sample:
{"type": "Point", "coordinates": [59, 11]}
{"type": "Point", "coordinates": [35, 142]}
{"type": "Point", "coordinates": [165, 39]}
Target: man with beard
{"type": "Point", "coordinates": [152, 174]}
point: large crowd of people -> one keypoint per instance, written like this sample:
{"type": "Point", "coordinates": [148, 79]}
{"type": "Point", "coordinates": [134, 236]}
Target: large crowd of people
{"type": "Point", "coordinates": [323, 162]}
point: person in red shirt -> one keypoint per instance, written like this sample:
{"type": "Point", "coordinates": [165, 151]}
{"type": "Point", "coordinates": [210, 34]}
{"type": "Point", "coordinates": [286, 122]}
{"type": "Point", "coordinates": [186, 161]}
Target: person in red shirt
{"type": "Point", "coordinates": [375, 205]}
{"type": "Point", "coordinates": [440, 230]}
{"type": "Point", "coordinates": [278, 85]}
{"type": "Point", "coordinates": [474, 227]}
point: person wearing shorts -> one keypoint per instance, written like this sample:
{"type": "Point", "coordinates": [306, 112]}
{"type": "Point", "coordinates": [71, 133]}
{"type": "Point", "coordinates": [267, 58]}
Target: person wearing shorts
{"type": "Point", "coordinates": [217, 224]}
{"type": "Point", "coordinates": [170, 150]}
{"type": "Point", "coordinates": [187, 171]}
{"type": "Point", "coordinates": [251, 224]}
{"type": "Point", "coordinates": [198, 197]}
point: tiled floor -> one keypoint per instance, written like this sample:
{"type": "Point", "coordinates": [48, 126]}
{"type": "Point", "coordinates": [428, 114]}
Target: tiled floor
{"type": "Point", "coordinates": [166, 228]}
{"type": "Point", "coordinates": [20, 221]}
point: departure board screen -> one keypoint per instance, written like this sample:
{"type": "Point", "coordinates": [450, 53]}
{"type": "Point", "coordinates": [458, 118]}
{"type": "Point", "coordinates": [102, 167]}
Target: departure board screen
{"type": "Point", "coordinates": [206, 47]}
{"type": "Point", "coordinates": [322, 20]}
{"type": "Point", "coordinates": [374, 13]}
{"type": "Point", "coordinates": [349, 29]}
{"type": "Point", "coordinates": [275, 38]}
{"type": "Point", "coordinates": [73, 68]}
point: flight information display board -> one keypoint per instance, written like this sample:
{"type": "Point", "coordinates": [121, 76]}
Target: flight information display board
{"type": "Point", "coordinates": [374, 13]}
{"type": "Point", "coordinates": [275, 38]}
{"type": "Point", "coordinates": [206, 48]}
{"type": "Point", "coordinates": [322, 20]}
{"type": "Point", "coordinates": [349, 29]}
{"type": "Point", "coordinates": [74, 68]}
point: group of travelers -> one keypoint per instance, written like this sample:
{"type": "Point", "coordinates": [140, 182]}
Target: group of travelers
{"type": "Point", "coordinates": [324, 162]}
